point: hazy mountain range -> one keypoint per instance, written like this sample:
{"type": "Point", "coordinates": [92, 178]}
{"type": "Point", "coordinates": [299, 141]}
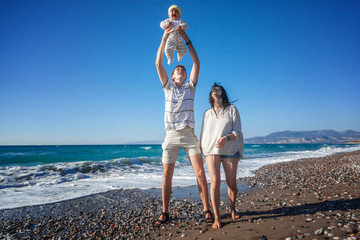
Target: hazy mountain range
{"type": "Point", "coordinates": [318, 136]}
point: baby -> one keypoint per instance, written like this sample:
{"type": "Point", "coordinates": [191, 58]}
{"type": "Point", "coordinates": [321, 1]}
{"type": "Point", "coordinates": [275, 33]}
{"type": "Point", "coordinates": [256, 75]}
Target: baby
{"type": "Point", "coordinates": [174, 41]}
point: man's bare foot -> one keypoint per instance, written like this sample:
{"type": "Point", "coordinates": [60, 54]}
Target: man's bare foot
{"type": "Point", "coordinates": [216, 224]}
{"type": "Point", "coordinates": [209, 216]}
{"type": "Point", "coordinates": [164, 218]}
{"type": "Point", "coordinates": [234, 215]}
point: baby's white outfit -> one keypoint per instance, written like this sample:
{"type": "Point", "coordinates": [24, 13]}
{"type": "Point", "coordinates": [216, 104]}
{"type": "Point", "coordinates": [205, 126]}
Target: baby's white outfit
{"type": "Point", "coordinates": [174, 41]}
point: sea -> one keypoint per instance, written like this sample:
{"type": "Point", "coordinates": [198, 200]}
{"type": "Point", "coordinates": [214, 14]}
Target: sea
{"type": "Point", "coordinates": [33, 175]}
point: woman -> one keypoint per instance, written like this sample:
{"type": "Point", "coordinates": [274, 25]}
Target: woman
{"type": "Point", "coordinates": [222, 142]}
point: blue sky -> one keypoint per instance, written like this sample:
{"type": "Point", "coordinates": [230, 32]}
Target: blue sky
{"type": "Point", "coordinates": [83, 72]}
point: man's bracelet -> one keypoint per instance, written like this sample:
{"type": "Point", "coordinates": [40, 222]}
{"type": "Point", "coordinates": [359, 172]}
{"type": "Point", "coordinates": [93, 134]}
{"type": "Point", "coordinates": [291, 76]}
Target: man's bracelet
{"type": "Point", "coordinates": [189, 42]}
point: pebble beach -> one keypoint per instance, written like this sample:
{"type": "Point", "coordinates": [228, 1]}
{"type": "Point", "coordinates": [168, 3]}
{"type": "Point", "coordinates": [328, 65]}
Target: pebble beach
{"type": "Point", "coordinates": [313, 198]}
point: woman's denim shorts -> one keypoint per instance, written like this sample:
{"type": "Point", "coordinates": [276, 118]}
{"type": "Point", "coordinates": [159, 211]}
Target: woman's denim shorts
{"type": "Point", "coordinates": [236, 155]}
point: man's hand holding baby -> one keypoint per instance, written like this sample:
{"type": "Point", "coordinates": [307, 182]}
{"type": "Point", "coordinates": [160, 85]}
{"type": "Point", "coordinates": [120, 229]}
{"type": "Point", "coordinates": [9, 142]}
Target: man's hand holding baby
{"type": "Point", "coordinates": [169, 29]}
{"type": "Point", "coordinates": [183, 34]}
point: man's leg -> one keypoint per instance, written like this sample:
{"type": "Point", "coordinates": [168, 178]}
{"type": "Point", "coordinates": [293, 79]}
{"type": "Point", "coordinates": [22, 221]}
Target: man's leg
{"type": "Point", "coordinates": [168, 173]}
{"type": "Point", "coordinates": [198, 166]}
{"type": "Point", "coordinates": [166, 185]}
{"type": "Point", "coordinates": [170, 154]}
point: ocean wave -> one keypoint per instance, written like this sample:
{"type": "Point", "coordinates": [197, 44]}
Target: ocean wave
{"type": "Point", "coordinates": [130, 161]}
{"type": "Point", "coordinates": [57, 173]}
{"type": "Point", "coordinates": [146, 148]}
{"type": "Point", "coordinates": [266, 157]}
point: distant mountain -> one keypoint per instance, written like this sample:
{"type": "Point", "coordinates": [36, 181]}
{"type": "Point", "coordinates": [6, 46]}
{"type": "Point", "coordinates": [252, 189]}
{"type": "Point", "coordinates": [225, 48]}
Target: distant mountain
{"type": "Point", "coordinates": [319, 136]}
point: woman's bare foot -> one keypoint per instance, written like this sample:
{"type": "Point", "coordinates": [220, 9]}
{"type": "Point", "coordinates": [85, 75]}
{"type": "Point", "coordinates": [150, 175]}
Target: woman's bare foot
{"type": "Point", "coordinates": [216, 224]}
{"type": "Point", "coordinates": [234, 215]}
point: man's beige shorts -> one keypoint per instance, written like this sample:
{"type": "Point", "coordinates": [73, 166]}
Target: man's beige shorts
{"type": "Point", "coordinates": [184, 138]}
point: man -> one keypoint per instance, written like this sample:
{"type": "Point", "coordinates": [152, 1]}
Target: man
{"type": "Point", "coordinates": [179, 124]}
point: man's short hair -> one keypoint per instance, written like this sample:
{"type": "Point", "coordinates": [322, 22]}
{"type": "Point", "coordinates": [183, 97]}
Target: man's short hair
{"type": "Point", "coordinates": [182, 66]}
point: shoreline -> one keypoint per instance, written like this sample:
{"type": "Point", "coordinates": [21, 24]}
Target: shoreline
{"type": "Point", "coordinates": [179, 193]}
{"type": "Point", "coordinates": [317, 198]}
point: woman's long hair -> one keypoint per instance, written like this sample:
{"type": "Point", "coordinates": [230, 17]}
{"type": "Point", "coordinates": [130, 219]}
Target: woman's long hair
{"type": "Point", "coordinates": [224, 97]}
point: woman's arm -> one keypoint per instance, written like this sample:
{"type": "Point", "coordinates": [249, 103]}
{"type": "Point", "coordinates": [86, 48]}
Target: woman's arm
{"type": "Point", "coordinates": [236, 129]}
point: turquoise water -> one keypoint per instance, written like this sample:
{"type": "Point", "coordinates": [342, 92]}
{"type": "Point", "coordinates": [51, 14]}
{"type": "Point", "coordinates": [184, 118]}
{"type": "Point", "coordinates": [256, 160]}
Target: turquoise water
{"type": "Point", "coordinates": [33, 155]}
{"type": "Point", "coordinates": [134, 154]}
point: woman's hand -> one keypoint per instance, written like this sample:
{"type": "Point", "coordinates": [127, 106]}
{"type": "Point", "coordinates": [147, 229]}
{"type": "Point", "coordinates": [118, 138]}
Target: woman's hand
{"type": "Point", "coordinates": [221, 142]}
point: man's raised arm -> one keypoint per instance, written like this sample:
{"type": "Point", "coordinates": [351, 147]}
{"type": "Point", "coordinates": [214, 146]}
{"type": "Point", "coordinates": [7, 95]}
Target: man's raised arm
{"type": "Point", "coordinates": [194, 76]}
{"type": "Point", "coordinates": [160, 56]}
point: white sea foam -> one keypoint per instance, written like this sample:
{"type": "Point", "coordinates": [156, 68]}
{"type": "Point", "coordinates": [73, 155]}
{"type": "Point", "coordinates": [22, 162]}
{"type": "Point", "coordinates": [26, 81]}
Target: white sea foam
{"type": "Point", "coordinates": [31, 185]}
{"type": "Point", "coordinates": [263, 159]}
{"type": "Point", "coordinates": [146, 148]}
